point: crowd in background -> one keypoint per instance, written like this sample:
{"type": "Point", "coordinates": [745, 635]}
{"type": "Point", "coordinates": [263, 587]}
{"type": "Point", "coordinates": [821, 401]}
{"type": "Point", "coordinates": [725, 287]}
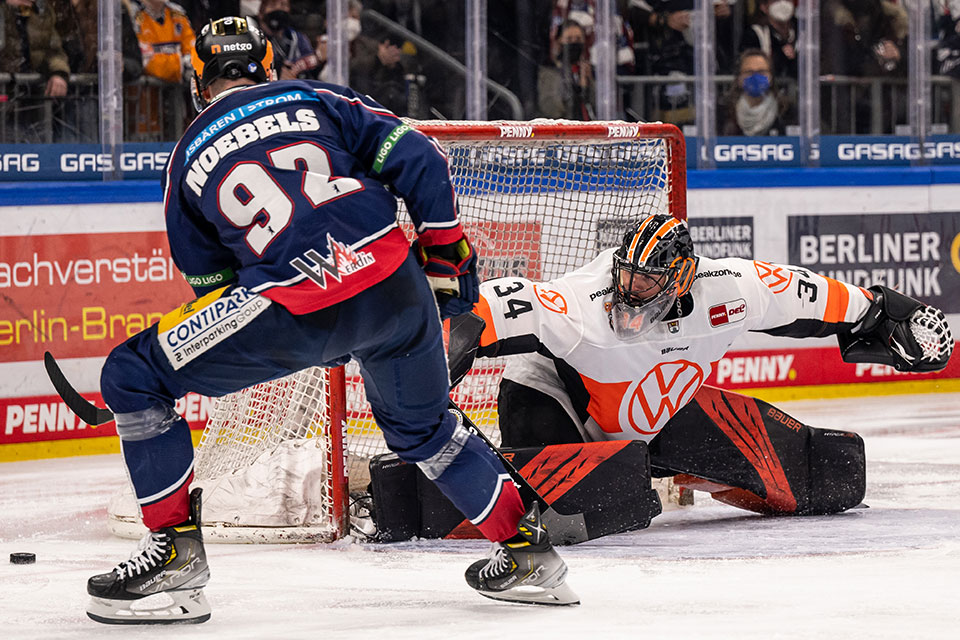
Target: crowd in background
{"type": "Point", "coordinates": [542, 51]}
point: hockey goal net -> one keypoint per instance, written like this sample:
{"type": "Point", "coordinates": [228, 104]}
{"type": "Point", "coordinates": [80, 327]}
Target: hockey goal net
{"type": "Point", "coordinates": [537, 199]}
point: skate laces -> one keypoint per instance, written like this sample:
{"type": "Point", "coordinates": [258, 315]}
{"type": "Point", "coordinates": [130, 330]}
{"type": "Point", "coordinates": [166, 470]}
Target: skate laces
{"type": "Point", "coordinates": [148, 554]}
{"type": "Point", "coordinates": [500, 562]}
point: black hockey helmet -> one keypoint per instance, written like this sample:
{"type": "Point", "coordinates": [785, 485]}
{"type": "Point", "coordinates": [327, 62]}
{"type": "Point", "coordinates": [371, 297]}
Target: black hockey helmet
{"type": "Point", "coordinates": [654, 265]}
{"type": "Point", "coordinates": [230, 48]}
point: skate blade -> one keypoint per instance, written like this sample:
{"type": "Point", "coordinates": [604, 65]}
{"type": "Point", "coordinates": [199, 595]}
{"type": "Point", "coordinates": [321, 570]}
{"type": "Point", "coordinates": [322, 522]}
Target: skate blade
{"type": "Point", "coordinates": [560, 595]}
{"type": "Point", "coordinates": [178, 607]}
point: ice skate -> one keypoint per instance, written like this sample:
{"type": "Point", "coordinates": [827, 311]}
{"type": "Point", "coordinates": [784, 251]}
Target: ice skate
{"type": "Point", "coordinates": [525, 568]}
{"type": "Point", "coordinates": [161, 583]}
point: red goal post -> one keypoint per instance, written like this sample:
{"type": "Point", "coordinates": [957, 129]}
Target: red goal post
{"type": "Point", "coordinates": [277, 461]}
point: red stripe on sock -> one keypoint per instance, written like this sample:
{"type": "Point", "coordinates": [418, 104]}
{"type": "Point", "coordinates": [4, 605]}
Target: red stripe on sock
{"type": "Point", "coordinates": [501, 523]}
{"type": "Point", "coordinates": [173, 509]}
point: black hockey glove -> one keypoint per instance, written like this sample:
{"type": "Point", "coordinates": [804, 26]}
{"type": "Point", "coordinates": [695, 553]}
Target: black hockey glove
{"type": "Point", "coordinates": [452, 272]}
{"type": "Point", "coordinates": [465, 332]}
{"type": "Point", "coordinates": [899, 331]}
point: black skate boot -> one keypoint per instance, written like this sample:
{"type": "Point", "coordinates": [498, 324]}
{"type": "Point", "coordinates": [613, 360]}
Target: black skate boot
{"type": "Point", "coordinates": [170, 562]}
{"type": "Point", "coordinates": [525, 568]}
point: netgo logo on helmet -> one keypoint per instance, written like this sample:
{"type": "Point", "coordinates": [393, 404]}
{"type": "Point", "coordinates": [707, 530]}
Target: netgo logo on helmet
{"type": "Point", "coordinates": [237, 46]}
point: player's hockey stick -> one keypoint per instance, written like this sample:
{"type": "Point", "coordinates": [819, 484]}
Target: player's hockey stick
{"type": "Point", "coordinates": [562, 528]}
{"type": "Point", "coordinates": [85, 410]}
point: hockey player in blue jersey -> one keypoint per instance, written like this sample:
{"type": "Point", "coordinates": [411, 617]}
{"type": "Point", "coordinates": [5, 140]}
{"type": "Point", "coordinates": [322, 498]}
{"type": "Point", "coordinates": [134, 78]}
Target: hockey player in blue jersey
{"type": "Point", "coordinates": [280, 204]}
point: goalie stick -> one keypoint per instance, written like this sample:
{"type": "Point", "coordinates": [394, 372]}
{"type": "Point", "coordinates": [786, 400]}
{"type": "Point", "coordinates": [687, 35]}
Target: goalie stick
{"type": "Point", "coordinates": [85, 410]}
{"type": "Point", "coordinates": [564, 528]}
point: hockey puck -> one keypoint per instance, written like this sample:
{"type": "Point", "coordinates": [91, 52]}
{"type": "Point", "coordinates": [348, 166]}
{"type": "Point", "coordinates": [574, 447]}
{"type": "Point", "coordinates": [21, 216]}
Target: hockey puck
{"type": "Point", "coordinates": [23, 558]}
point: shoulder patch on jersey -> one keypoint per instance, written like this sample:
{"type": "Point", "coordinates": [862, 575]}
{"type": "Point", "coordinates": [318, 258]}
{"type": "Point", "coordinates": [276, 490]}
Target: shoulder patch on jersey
{"type": "Point", "coordinates": [733, 311]}
{"type": "Point", "coordinates": [777, 279]}
{"type": "Point", "coordinates": [197, 326]}
{"type": "Point", "coordinates": [551, 300]}
{"type": "Point", "coordinates": [210, 279]}
{"type": "Point", "coordinates": [388, 144]}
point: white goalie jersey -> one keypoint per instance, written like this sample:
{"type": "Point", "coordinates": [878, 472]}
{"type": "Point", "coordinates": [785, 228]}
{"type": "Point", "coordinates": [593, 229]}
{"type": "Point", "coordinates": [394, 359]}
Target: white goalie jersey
{"type": "Point", "coordinates": [615, 389]}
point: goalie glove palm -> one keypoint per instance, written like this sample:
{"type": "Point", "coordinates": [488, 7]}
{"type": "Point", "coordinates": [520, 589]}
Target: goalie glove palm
{"type": "Point", "coordinates": [901, 332]}
{"type": "Point", "coordinates": [452, 272]}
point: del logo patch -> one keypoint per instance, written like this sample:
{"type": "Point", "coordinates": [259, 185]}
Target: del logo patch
{"type": "Point", "coordinates": [728, 312]}
{"type": "Point", "coordinates": [195, 327]}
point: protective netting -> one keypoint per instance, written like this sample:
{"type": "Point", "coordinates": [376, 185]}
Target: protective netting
{"type": "Point", "coordinates": [537, 200]}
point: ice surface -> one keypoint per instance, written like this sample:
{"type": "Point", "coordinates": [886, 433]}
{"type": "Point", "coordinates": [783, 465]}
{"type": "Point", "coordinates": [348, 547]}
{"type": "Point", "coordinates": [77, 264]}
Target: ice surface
{"type": "Point", "coordinates": [709, 571]}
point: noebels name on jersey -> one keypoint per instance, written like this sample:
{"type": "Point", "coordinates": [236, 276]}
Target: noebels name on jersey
{"type": "Point", "coordinates": [239, 136]}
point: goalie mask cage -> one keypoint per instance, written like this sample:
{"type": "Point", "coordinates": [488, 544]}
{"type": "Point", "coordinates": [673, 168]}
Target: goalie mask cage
{"type": "Point", "coordinates": [537, 199]}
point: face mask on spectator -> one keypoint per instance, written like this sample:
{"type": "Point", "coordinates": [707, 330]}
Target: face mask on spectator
{"type": "Point", "coordinates": [571, 51]}
{"type": "Point", "coordinates": [277, 20]}
{"type": "Point", "coordinates": [353, 29]}
{"type": "Point", "coordinates": [756, 85]}
{"type": "Point", "coordinates": [781, 10]}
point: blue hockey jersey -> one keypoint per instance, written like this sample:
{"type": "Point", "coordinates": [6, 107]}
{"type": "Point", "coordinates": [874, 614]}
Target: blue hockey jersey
{"type": "Point", "coordinates": [290, 188]}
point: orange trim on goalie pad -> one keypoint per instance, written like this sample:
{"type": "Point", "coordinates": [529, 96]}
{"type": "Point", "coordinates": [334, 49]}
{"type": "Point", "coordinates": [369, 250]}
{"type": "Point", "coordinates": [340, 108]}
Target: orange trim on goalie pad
{"type": "Point", "coordinates": [489, 335]}
{"type": "Point", "coordinates": [559, 467]}
{"type": "Point", "coordinates": [553, 472]}
{"type": "Point", "coordinates": [740, 420]}
{"type": "Point", "coordinates": [740, 498]}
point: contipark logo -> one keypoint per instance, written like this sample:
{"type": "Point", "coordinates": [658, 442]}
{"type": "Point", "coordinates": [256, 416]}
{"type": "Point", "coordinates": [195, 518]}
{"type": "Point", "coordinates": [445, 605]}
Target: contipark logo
{"type": "Point", "coordinates": [387, 146]}
{"type": "Point", "coordinates": [237, 46]}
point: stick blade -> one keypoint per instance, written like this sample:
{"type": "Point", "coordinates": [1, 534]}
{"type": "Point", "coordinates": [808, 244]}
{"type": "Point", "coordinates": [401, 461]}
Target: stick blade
{"type": "Point", "coordinates": [85, 410]}
{"type": "Point", "coordinates": [564, 529]}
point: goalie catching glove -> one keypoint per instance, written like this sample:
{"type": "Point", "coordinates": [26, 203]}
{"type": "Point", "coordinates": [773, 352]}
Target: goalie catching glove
{"type": "Point", "coordinates": [901, 332]}
{"type": "Point", "coordinates": [452, 272]}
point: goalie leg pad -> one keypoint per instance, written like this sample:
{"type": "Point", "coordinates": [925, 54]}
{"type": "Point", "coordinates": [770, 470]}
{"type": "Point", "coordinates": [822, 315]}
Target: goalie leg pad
{"type": "Point", "coordinates": [608, 481]}
{"type": "Point", "coordinates": [838, 471]}
{"type": "Point", "coordinates": [751, 455]}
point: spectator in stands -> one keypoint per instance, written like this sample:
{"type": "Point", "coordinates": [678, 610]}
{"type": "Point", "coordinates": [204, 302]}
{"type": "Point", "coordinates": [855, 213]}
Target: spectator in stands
{"type": "Point", "coordinates": [861, 38]}
{"type": "Point", "coordinates": [774, 31]}
{"type": "Point", "coordinates": [200, 12]}
{"type": "Point", "coordinates": [566, 88]}
{"type": "Point", "coordinates": [948, 38]}
{"type": "Point", "coordinates": [584, 13]}
{"type": "Point", "coordinates": [753, 106]}
{"type": "Point", "coordinates": [665, 30]}
{"type": "Point", "coordinates": [156, 111]}
{"type": "Point", "coordinates": [32, 44]}
{"type": "Point", "coordinates": [382, 75]}
{"type": "Point", "coordinates": [85, 49]}
{"type": "Point", "coordinates": [292, 50]}
{"type": "Point", "coordinates": [166, 39]}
